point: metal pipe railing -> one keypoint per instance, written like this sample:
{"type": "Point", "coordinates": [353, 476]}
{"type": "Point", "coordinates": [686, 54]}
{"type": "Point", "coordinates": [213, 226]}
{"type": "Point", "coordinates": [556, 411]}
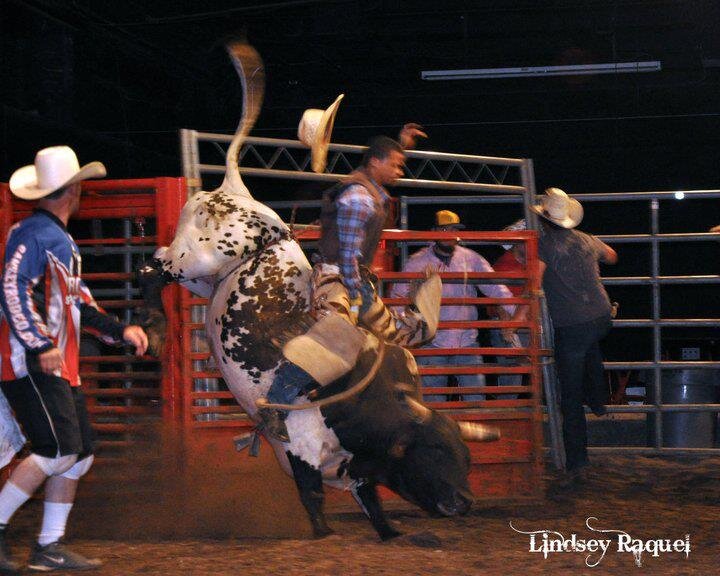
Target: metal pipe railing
{"type": "Point", "coordinates": [501, 193]}
{"type": "Point", "coordinates": [655, 239]}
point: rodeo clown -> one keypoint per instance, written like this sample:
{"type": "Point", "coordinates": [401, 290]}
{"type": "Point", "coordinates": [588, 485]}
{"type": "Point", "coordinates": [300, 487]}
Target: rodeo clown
{"type": "Point", "coordinates": [352, 218]}
{"type": "Point", "coordinates": [44, 303]}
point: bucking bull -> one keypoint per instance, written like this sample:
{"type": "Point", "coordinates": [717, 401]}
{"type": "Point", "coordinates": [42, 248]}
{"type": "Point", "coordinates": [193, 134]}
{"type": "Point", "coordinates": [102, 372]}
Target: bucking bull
{"type": "Point", "coordinates": [243, 257]}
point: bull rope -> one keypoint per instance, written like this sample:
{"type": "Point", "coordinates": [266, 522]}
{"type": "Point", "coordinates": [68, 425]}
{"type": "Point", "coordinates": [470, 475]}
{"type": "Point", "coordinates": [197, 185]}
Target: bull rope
{"type": "Point", "coordinates": [340, 396]}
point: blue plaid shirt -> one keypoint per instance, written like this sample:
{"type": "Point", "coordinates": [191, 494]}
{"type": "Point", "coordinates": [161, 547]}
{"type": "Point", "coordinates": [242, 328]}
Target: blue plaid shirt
{"type": "Point", "coordinates": [355, 207]}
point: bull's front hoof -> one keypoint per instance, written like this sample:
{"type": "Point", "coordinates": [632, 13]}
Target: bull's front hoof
{"type": "Point", "coordinates": [388, 534]}
{"type": "Point", "coordinates": [322, 531]}
{"type": "Point", "coordinates": [155, 326]}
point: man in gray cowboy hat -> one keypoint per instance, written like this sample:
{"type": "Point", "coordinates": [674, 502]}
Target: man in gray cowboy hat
{"type": "Point", "coordinates": [580, 311]}
{"type": "Point", "coordinates": [44, 302]}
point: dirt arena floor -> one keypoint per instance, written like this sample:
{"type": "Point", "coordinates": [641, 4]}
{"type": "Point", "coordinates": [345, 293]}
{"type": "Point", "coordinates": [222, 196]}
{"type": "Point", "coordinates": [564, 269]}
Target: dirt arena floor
{"type": "Point", "coordinates": [207, 521]}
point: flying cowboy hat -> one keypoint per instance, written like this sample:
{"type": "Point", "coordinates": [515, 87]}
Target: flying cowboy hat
{"type": "Point", "coordinates": [315, 129]}
{"type": "Point", "coordinates": [54, 168]}
{"type": "Point", "coordinates": [559, 208]}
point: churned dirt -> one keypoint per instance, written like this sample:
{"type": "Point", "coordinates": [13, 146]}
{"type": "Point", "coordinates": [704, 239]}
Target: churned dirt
{"type": "Point", "coordinates": [208, 521]}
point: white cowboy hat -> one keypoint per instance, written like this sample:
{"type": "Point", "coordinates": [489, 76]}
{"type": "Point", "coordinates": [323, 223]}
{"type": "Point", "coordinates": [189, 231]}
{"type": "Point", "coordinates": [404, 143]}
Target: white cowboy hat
{"type": "Point", "coordinates": [314, 131]}
{"type": "Point", "coordinates": [54, 168]}
{"type": "Point", "coordinates": [559, 208]}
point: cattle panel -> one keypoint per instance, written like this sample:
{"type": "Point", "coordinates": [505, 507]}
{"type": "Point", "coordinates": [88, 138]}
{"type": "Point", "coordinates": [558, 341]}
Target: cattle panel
{"type": "Point", "coordinates": [508, 468]}
{"type": "Point", "coordinates": [119, 224]}
{"type": "Point", "coordinates": [122, 221]}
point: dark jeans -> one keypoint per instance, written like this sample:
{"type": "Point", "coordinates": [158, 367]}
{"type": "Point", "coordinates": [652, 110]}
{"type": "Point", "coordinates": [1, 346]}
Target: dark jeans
{"type": "Point", "coordinates": [580, 373]}
{"type": "Point", "coordinates": [290, 380]}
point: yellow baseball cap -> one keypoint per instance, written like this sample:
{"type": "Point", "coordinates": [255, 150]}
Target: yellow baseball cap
{"type": "Point", "coordinates": [446, 218]}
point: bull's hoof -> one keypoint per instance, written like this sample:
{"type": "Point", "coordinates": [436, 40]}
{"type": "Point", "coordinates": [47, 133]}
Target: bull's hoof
{"type": "Point", "coordinates": [155, 324]}
{"type": "Point", "coordinates": [389, 533]}
{"type": "Point", "coordinates": [322, 531]}
{"type": "Point", "coordinates": [427, 302]}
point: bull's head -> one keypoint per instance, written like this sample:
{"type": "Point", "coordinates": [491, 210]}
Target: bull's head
{"type": "Point", "coordinates": [430, 464]}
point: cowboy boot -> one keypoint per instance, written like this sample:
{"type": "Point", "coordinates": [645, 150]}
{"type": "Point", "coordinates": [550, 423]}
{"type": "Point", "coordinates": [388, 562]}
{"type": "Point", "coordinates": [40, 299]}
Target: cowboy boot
{"type": "Point", "coordinates": [289, 382]}
{"type": "Point", "coordinates": [273, 421]}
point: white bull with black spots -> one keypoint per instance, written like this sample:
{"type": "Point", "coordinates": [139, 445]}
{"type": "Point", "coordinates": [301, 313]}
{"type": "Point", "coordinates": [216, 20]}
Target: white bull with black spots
{"type": "Point", "coordinates": [239, 253]}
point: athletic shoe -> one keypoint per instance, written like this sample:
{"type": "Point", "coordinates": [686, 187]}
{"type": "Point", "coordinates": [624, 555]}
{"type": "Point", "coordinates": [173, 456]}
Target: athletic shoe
{"type": "Point", "coordinates": [57, 556]}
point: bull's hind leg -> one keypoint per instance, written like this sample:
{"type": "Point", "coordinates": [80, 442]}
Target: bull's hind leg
{"type": "Point", "coordinates": [365, 492]}
{"type": "Point", "coordinates": [310, 485]}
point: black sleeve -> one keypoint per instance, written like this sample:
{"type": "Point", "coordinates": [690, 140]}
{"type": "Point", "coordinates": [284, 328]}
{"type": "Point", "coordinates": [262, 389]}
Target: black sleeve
{"type": "Point", "coordinates": [97, 321]}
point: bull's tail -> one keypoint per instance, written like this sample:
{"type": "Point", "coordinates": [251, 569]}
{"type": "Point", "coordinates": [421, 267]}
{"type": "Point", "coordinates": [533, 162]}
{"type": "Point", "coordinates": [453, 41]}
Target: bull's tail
{"type": "Point", "coordinates": [250, 68]}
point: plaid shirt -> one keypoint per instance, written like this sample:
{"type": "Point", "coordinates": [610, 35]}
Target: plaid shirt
{"type": "Point", "coordinates": [355, 207]}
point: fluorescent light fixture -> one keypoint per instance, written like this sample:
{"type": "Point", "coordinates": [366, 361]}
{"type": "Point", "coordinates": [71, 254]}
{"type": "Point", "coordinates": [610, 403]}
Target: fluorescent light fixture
{"type": "Point", "coordinates": [535, 71]}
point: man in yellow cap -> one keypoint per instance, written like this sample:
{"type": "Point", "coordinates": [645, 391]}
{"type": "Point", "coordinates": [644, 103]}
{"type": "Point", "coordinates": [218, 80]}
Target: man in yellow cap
{"type": "Point", "coordinates": [450, 256]}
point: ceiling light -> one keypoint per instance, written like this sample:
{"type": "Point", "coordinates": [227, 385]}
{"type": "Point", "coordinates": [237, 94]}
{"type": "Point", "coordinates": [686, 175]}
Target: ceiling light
{"type": "Point", "coordinates": [535, 71]}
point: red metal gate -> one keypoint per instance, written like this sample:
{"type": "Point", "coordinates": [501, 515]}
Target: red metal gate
{"type": "Point", "coordinates": [186, 390]}
{"type": "Point", "coordinates": [125, 394]}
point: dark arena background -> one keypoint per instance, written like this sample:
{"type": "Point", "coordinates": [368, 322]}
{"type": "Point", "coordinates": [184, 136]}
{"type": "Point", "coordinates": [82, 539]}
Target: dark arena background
{"type": "Point", "coordinates": [117, 80]}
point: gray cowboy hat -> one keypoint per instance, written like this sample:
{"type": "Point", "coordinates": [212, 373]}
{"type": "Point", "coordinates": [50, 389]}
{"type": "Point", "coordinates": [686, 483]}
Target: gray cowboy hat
{"type": "Point", "coordinates": [559, 208]}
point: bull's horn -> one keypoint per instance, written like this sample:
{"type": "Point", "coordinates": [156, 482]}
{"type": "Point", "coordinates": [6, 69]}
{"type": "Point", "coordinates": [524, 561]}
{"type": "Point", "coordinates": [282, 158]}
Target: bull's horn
{"type": "Point", "coordinates": [478, 433]}
{"type": "Point", "coordinates": [422, 413]}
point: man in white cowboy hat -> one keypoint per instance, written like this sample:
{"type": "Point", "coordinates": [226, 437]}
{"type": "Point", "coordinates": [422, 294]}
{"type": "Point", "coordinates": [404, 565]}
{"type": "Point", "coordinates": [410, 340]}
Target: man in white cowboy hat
{"type": "Point", "coordinates": [450, 256]}
{"type": "Point", "coordinates": [44, 301]}
{"type": "Point", "coordinates": [580, 311]}
{"type": "Point", "coordinates": [352, 218]}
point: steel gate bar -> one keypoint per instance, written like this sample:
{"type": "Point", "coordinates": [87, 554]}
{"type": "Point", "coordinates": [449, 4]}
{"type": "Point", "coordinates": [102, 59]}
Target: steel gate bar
{"type": "Point", "coordinates": [655, 279]}
{"type": "Point", "coordinates": [114, 400]}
